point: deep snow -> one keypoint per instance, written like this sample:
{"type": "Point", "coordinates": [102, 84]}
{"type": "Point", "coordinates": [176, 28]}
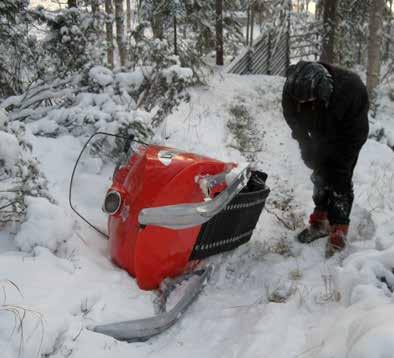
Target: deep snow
{"type": "Point", "coordinates": [270, 298]}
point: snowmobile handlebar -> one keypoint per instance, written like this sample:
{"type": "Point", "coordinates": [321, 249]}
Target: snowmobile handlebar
{"type": "Point", "coordinates": [189, 215]}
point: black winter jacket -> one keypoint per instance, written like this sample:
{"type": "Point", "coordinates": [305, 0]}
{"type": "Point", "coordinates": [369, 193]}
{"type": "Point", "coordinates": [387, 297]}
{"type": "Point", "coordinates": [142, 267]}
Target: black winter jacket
{"type": "Point", "coordinates": [330, 138]}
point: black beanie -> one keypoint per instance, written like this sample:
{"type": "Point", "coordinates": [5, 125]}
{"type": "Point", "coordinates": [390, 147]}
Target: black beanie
{"type": "Point", "coordinates": [309, 80]}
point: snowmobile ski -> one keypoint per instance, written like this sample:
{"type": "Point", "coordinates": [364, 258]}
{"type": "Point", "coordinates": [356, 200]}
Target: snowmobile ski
{"type": "Point", "coordinates": [141, 330]}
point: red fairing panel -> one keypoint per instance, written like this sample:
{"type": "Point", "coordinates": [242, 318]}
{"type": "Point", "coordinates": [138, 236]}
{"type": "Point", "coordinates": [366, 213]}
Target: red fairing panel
{"type": "Point", "coordinates": [157, 176]}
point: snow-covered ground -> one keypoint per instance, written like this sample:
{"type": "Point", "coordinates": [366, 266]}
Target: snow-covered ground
{"type": "Point", "coordinates": [270, 298]}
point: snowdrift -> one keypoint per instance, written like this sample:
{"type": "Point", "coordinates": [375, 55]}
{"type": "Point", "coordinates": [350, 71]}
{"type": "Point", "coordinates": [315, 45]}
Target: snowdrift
{"type": "Point", "coordinates": [270, 298]}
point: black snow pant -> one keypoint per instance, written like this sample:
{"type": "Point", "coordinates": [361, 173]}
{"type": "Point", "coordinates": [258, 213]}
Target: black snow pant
{"type": "Point", "coordinates": [337, 202]}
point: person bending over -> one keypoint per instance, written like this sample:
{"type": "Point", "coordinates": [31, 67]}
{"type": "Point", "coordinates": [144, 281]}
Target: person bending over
{"type": "Point", "coordinates": [326, 108]}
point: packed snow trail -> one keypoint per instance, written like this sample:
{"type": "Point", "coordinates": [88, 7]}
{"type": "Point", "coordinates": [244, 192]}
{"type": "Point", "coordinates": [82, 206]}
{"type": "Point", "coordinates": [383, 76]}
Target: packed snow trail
{"type": "Point", "coordinates": [270, 298]}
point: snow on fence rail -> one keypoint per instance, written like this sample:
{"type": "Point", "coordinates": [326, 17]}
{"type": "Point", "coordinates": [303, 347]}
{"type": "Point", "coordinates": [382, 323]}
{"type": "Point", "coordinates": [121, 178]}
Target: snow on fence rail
{"type": "Point", "coordinates": [284, 40]}
{"type": "Point", "coordinates": [268, 55]}
{"type": "Point", "coordinates": [305, 45]}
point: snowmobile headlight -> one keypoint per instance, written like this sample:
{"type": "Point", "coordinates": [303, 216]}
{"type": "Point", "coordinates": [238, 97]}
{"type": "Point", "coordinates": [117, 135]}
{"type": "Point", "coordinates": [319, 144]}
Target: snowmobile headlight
{"type": "Point", "coordinates": [112, 202]}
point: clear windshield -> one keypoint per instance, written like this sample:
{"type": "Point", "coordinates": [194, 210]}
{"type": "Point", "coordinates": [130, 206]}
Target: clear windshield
{"type": "Point", "coordinates": [93, 174]}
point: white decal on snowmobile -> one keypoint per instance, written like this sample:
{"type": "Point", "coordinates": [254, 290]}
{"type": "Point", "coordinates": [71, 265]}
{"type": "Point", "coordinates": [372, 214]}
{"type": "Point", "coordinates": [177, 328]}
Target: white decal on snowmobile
{"type": "Point", "coordinates": [166, 156]}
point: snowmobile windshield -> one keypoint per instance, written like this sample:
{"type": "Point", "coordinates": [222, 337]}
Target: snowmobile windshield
{"type": "Point", "coordinates": [94, 169]}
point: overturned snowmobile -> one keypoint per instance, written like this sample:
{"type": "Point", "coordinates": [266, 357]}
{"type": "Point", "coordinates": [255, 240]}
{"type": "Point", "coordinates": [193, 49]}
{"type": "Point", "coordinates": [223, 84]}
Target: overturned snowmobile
{"type": "Point", "coordinates": [167, 210]}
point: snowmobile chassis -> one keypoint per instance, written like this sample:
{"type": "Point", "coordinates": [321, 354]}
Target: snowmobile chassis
{"type": "Point", "coordinates": [168, 210]}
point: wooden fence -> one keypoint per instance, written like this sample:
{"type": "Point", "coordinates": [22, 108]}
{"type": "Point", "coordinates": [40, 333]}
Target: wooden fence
{"type": "Point", "coordinates": [272, 52]}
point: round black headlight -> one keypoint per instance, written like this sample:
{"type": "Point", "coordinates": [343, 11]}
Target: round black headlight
{"type": "Point", "coordinates": [112, 202]}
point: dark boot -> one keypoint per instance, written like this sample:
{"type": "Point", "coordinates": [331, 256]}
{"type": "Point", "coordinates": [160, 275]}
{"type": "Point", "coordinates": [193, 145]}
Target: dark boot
{"type": "Point", "coordinates": [337, 239]}
{"type": "Point", "coordinates": [318, 228]}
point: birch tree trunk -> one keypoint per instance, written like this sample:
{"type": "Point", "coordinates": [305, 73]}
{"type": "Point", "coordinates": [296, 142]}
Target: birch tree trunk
{"type": "Point", "coordinates": [120, 36]}
{"type": "Point", "coordinates": [219, 33]}
{"type": "Point", "coordinates": [374, 45]}
{"type": "Point", "coordinates": [389, 29]}
{"type": "Point", "coordinates": [128, 16]}
{"type": "Point", "coordinates": [109, 32]}
{"type": "Point", "coordinates": [329, 21]}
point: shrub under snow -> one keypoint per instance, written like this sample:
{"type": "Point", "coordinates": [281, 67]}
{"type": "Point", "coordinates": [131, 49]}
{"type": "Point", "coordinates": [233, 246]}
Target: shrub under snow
{"type": "Point", "coordinates": [46, 225]}
{"type": "Point", "coordinates": [102, 100]}
{"type": "Point", "coordinates": [19, 173]}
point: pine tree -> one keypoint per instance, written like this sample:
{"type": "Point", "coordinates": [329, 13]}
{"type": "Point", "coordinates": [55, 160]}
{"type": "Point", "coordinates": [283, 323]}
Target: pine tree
{"type": "Point", "coordinates": [19, 51]}
{"type": "Point", "coordinates": [157, 11]}
{"type": "Point", "coordinates": [73, 42]}
{"type": "Point", "coordinates": [329, 20]}
{"type": "Point", "coordinates": [197, 21]}
{"type": "Point", "coordinates": [219, 33]}
{"type": "Point", "coordinates": [95, 6]}
{"type": "Point", "coordinates": [352, 32]}
{"type": "Point", "coordinates": [109, 32]}
{"type": "Point", "coordinates": [120, 33]}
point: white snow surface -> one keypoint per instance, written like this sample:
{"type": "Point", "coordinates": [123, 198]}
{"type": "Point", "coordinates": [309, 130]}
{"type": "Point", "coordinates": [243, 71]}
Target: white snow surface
{"type": "Point", "coordinates": [46, 225]}
{"type": "Point", "coordinates": [383, 124]}
{"type": "Point", "coordinates": [176, 70]}
{"type": "Point", "coordinates": [271, 297]}
{"type": "Point", "coordinates": [101, 75]}
{"type": "Point", "coordinates": [9, 149]}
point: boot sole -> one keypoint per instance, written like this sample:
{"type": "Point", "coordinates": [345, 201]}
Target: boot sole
{"type": "Point", "coordinates": [311, 238]}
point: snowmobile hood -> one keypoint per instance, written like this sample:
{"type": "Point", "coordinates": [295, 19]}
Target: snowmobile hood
{"type": "Point", "coordinates": [158, 177]}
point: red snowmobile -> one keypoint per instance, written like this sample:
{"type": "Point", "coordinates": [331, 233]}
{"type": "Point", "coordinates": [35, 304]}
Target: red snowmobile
{"type": "Point", "coordinates": [166, 211]}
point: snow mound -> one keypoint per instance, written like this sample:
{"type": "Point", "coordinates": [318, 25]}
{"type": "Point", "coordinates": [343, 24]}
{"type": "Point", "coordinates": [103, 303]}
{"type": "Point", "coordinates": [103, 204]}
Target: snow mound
{"type": "Point", "coordinates": [362, 331]}
{"type": "Point", "coordinates": [368, 267]}
{"type": "Point", "coordinates": [183, 73]}
{"type": "Point", "coordinates": [130, 79]}
{"type": "Point", "coordinates": [46, 225]}
{"type": "Point", "coordinates": [102, 75]}
{"type": "Point", "coordinates": [3, 118]}
{"type": "Point", "coordinates": [363, 326]}
{"type": "Point", "coordinates": [9, 149]}
{"type": "Point", "coordinates": [371, 334]}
